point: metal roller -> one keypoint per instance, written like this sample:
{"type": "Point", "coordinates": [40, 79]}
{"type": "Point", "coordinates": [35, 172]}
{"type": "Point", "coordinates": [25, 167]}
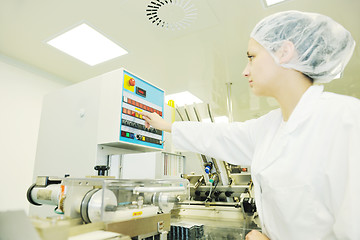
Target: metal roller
{"type": "Point", "coordinates": [48, 195]}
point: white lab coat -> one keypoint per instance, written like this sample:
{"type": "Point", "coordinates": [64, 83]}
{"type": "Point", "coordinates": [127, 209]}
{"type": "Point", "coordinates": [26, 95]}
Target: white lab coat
{"type": "Point", "coordinates": [306, 172]}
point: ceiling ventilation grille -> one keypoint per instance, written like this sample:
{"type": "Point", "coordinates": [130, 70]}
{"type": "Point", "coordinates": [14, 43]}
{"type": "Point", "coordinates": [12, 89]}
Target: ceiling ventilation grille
{"type": "Point", "coordinates": [171, 14]}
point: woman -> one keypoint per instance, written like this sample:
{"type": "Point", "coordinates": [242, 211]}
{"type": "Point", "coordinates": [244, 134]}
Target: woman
{"type": "Point", "coordinates": [305, 156]}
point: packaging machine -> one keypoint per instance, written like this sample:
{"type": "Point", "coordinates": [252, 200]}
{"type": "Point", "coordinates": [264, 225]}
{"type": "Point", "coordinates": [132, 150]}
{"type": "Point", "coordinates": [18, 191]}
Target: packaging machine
{"type": "Point", "coordinates": [92, 170]}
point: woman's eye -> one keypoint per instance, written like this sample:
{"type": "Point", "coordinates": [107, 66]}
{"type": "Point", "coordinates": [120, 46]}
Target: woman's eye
{"type": "Point", "coordinates": [250, 57]}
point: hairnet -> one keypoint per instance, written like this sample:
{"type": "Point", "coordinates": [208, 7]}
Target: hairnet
{"type": "Point", "coordinates": [323, 46]}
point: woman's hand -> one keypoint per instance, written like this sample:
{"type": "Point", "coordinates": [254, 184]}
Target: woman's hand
{"type": "Point", "coordinates": [156, 121]}
{"type": "Point", "coordinates": [256, 235]}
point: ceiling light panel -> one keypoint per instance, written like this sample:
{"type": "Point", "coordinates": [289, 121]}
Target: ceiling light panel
{"type": "Point", "coordinates": [269, 3]}
{"type": "Point", "coordinates": [87, 45]}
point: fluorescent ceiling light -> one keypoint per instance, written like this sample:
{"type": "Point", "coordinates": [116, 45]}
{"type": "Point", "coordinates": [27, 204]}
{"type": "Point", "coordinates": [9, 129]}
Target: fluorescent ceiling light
{"type": "Point", "coordinates": [220, 119]}
{"type": "Point", "coordinates": [87, 45]}
{"type": "Point", "coordinates": [268, 3]}
{"type": "Point", "coordinates": [183, 98]}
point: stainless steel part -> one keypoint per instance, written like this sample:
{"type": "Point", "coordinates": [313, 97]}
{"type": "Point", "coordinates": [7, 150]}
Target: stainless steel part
{"type": "Point", "coordinates": [210, 113]}
{"type": "Point", "coordinates": [186, 113]}
{"type": "Point", "coordinates": [48, 195]}
{"type": "Point", "coordinates": [85, 205]}
{"type": "Point", "coordinates": [138, 190]}
{"type": "Point", "coordinates": [91, 205]}
{"type": "Point", "coordinates": [198, 118]}
{"type": "Point", "coordinates": [165, 201]}
{"type": "Point", "coordinates": [180, 115]}
{"type": "Point", "coordinates": [229, 102]}
{"type": "Point", "coordinates": [198, 182]}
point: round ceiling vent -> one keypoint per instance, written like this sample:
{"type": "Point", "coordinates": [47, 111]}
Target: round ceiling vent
{"type": "Point", "coordinates": [171, 14]}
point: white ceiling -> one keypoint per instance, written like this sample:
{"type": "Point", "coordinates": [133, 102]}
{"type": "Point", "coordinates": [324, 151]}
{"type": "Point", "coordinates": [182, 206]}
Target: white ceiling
{"type": "Point", "coordinates": [201, 58]}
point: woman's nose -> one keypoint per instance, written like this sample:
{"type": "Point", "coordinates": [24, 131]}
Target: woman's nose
{"type": "Point", "coordinates": [246, 72]}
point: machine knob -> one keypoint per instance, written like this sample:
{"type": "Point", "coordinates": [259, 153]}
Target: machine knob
{"type": "Point", "coordinates": [217, 193]}
{"type": "Point", "coordinates": [101, 169]}
{"type": "Point", "coordinates": [228, 193]}
{"type": "Point", "coordinates": [249, 206]}
{"type": "Point", "coordinates": [132, 82]}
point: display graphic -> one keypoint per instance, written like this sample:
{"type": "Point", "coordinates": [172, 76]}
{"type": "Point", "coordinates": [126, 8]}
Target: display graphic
{"type": "Point", "coordinates": [140, 96]}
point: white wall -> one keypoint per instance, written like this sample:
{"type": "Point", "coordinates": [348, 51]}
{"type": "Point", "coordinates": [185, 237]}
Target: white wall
{"type": "Point", "coordinates": [21, 91]}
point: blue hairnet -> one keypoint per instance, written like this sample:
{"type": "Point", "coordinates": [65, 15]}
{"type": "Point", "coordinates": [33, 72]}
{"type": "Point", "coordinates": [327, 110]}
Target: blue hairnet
{"type": "Point", "coordinates": [323, 46]}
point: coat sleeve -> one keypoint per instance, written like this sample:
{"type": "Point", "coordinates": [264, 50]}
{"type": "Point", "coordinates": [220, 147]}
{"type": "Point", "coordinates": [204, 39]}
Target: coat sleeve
{"type": "Point", "coordinates": [233, 143]}
{"type": "Point", "coordinates": [343, 175]}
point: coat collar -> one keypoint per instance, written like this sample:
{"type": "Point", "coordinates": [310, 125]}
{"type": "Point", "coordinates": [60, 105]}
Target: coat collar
{"type": "Point", "coordinates": [302, 112]}
{"type": "Point", "coordinates": [305, 107]}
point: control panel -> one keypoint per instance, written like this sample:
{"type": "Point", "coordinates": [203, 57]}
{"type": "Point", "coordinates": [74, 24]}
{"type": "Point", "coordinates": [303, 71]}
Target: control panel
{"type": "Point", "coordinates": [139, 96]}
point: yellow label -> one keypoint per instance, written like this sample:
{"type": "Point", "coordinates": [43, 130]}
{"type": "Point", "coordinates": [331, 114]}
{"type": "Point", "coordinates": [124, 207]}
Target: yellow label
{"type": "Point", "coordinates": [138, 109]}
{"type": "Point", "coordinates": [44, 194]}
{"type": "Point", "coordinates": [171, 103]}
{"type": "Point", "coordinates": [126, 83]}
{"type": "Point", "coordinates": [137, 213]}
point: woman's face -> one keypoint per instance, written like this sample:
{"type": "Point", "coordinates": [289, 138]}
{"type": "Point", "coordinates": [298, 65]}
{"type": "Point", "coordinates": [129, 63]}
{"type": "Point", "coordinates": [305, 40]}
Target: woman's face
{"type": "Point", "coordinates": [261, 70]}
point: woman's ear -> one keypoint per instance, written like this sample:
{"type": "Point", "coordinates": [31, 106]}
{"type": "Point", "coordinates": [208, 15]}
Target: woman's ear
{"type": "Point", "coordinates": [286, 52]}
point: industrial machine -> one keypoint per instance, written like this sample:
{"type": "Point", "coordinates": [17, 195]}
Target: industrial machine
{"type": "Point", "coordinates": [86, 130]}
{"type": "Point", "coordinates": [85, 124]}
{"type": "Point", "coordinates": [115, 175]}
{"type": "Point", "coordinates": [221, 196]}
{"type": "Point", "coordinates": [115, 202]}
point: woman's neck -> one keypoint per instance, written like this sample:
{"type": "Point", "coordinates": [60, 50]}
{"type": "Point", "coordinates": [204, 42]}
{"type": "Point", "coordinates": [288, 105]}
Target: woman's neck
{"type": "Point", "coordinates": [290, 94]}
